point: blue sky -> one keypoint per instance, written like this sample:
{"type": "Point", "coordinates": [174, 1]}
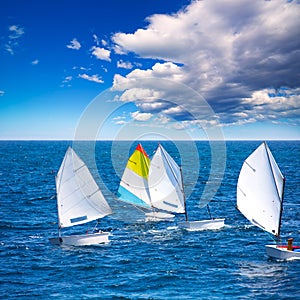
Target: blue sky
{"type": "Point", "coordinates": [171, 68]}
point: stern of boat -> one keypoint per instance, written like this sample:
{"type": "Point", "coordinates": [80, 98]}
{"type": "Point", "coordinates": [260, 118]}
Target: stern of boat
{"type": "Point", "coordinates": [281, 252]}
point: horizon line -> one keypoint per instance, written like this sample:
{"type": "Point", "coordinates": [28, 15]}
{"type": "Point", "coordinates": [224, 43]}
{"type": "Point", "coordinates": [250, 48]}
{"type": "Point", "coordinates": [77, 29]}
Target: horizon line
{"type": "Point", "coordinates": [147, 140]}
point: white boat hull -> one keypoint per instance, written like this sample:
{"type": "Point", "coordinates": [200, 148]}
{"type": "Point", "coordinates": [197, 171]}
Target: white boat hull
{"type": "Point", "coordinates": [159, 216]}
{"type": "Point", "coordinates": [281, 252]}
{"type": "Point", "coordinates": [212, 224]}
{"type": "Point", "coordinates": [82, 240]}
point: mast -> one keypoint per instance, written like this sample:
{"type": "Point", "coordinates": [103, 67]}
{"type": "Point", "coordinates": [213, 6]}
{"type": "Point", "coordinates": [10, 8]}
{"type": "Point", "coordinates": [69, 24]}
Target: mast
{"type": "Point", "coordinates": [58, 218]}
{"type": "Point", "coordinates": [281, 208]}
{"type": "Point", "coordinates": [208, 210]}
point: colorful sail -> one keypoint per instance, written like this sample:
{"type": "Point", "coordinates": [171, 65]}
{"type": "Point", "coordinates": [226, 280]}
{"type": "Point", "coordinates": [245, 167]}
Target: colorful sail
{"type": "Point", "coordinates": [165, 183]}
{"type": "Point", "coordinates": [134, 182]}
{"type": "Point", "coordinates": [260, 190]}
{"type": "Point", "coordinates": [79, 199]}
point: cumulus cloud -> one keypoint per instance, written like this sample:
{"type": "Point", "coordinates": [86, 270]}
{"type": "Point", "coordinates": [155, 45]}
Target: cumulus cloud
{"type": "Point", "coordinates": [154, 93]}
{"type": "Point", "coordinates": [230, 52]}
{"type": "Point", "coordinates": [93, 78]}
{"type": "Point", "coordinates": [101, 53]}
{"type": "Point", "coordinates": [74, 44]}
{"type": "Point", "coordinates": [2, 93]}
{"type": "Point", "coordinates": [35, 62]}
{"type": "Point", "coordinates": [273, 104]}
{"type": "Point", "coordinates": [134, 94]}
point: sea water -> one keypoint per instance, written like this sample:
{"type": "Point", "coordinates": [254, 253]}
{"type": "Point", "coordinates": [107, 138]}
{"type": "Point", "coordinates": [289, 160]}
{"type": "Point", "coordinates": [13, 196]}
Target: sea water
{"type": "Point", "coordinates": [143, 260]}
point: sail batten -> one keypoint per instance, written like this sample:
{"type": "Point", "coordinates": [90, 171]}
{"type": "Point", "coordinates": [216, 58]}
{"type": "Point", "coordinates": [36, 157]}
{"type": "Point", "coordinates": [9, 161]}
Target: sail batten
{"type": "Point", "coordinates": [259, 193]}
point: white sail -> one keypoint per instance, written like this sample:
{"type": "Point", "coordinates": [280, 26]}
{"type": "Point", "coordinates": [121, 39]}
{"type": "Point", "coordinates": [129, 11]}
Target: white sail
{"type": "Point", "coordinates": [165, 183]}
{"type": "Point", "coordinates": [260, 190]}
{"type": "Point", "coordinates": [79, 199]}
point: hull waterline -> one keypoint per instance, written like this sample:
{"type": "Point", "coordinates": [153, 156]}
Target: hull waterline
{"type": "Point", "coordinates": [82, 240]}
{"type": "Point", "coordinates": [212, 224]}
{"type": "Point", "coordinates": [281, 252]}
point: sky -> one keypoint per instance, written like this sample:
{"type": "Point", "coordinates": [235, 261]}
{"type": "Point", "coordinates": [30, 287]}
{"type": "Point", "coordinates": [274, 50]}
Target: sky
{"type": "Point", "coordinates": [171, 69]}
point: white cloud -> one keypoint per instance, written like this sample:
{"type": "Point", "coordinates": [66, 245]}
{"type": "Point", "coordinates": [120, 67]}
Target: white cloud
{"type": "Point", "coordinates": [162, 119]}
{"type": "Point", "coordinates": [173, 110]}
{"type": "Point", "coordinates": [96, 39]}
{"type": "Point", "coordinates": [168, 70]}
{"type": "Point", "coordinates": [15, 33]}
{"type": "Point", "coordinates": [138, 116]}
{"type": "Point", "coordinates": [67, 79]}
{"type": "Point", "coordinates": [2, 93]}
{"type": "Point", "coordinates": [283, 104]}
{"type": "Point", "coordinates": [81, 68]}
{"type": "Point", "coordinates": [229, 52]}
{"type": "Point", "coordinates": [101, 53]}
{"type": "Point", "coordinates": [74, 44]}
{"type": "Point", "coordinates": [120, 120]}
{"type": "Point", "coordinates": [136, 94]}
{"type": "Point", "coordinates": [94, 78]}
{"type": "Point", "coordinates": [124, 65]}
{"type": "Point", "coordinates": [152, 106]}
{"type": "Point", "coordinates": [35, 62]}
{"type": "Point", "coordinates": [9, 48]}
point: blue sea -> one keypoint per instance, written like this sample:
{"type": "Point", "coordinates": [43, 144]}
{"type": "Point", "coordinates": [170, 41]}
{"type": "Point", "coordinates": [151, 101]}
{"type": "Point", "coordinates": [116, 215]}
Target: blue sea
{"type": "Point", "coordinates": [143, 260]}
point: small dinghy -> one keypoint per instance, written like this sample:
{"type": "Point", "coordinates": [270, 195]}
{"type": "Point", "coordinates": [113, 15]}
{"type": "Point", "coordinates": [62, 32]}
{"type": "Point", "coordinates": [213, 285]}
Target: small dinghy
{"type": "Point", "coordinates": [79, 200]}
{"type": "Point", "coordinates": [154, 186]}
{"type": "Point", "coordinates": [260, 191]}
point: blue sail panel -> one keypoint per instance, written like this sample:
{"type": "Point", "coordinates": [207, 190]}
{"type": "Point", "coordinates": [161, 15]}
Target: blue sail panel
{"type": "Point", "coordinates": [127, 196]}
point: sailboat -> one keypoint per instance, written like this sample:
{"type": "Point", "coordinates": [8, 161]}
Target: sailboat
{"type": "Point", "coordinates": [79, 200]}
{"type": "Point", "coordinates": [156, 186]}
{"type": "Point", "coordinates": [260, 191]}
{"type": "Point", "coordinates": [134, 186]}
{"type": "Point", "coordinates": [167, 190]}
{"type": "Point", "coordinates": [165, 186]}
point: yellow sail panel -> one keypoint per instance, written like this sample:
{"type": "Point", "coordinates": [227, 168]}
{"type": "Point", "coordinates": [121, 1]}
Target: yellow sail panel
{"type": "Point", "coordinates": [139, 162]}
